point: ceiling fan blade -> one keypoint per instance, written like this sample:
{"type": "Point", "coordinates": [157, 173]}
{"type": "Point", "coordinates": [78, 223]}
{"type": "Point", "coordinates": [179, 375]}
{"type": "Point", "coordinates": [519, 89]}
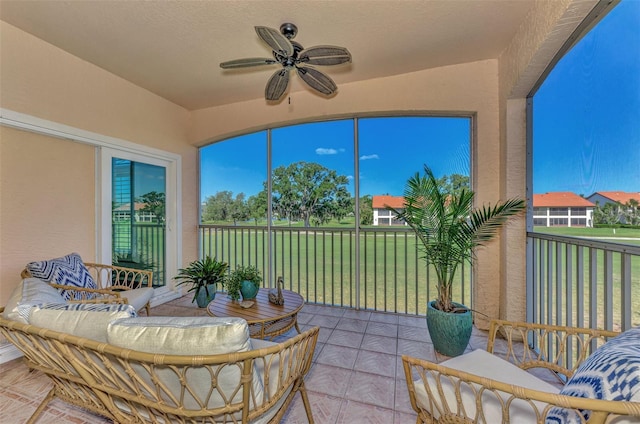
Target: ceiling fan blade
{"type": "Point", "coordinates": [275, 40]}
{"type": "Point", "coordinates": [277, 85]}
{"type": "Point", "coordinates": [325, 55]}
{"type": "Point", "coordinates": [317, 80]}
{"type": "Point", "coordinates": [245, 63]}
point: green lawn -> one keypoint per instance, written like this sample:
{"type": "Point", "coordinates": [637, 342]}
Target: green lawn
{"type": "Point", "coordinates": [319, 263]}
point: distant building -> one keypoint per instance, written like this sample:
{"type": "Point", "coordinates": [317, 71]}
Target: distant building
{"type": "Point", "coordinates": [383, 216]}
{"type": "Point", "coordinates": [123, 213]}
{"type": "Point", "coordinates": [562, 209]}
{"type": "Point", "coordinates": [620, 198]}
{"type": "Point", "coordinates": [603, 197]}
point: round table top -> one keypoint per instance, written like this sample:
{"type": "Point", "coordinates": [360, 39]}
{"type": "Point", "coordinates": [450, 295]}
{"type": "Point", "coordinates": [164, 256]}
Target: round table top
{"type": "Point", "coordinates": [261, 311]}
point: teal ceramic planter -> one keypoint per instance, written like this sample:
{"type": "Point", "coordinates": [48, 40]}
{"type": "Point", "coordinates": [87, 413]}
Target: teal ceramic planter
{"type": "Point", "coordinates": [450, 332]}
{"type": "Point", "coordinates": [203, 298]}
{"type": "Point", "coordinates": [248, 290]}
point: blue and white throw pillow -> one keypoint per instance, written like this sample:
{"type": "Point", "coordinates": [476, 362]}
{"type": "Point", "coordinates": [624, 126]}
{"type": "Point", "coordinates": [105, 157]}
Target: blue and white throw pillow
{"type": "Point", "coordinates": [612, 372]}
{"type": "Point", "coordinates": [68, 271]}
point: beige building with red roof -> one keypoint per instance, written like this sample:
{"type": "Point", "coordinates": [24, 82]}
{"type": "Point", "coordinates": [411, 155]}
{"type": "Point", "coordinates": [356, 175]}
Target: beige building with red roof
{"type": "Point", "coordinates": [562, 209]}
{"type": "Point", "coordinates": [383, 216]}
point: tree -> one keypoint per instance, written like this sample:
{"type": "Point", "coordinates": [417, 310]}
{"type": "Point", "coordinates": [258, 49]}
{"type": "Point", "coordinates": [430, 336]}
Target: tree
{"type": "Point", "coordinates": [223, 207]}
{"type": "Point", "coordinates": [303, 190]}
{"type": "Point", "coordinates": [239, 210]}
{"type": "Point", "coordinates": [608, 214]}
{"type": "Point", "coordinates": [155, 203]}
{"type": "Point", "coordinates": [632, 212]}
{"type": "Point", "coordinates": [257, 205]}
{"type": "Point", "coordinates": [366, 210]}
{"type": "Point", "coordinates": [454, 183]}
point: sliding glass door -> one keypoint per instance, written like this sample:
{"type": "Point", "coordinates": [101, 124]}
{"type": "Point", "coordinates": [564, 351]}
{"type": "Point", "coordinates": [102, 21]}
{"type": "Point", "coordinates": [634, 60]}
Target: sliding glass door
{"type": "Point", "coordinates": [139, 212]}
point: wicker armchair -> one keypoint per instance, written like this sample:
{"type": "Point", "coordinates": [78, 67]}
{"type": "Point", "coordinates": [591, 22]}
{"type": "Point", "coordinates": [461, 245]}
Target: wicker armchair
{"type": "Point", "coordinates": [115, 284]}
{"type": "Point", "coordinates": [444, 394]}
{"type": "Point", "coordinates": [129, 386]}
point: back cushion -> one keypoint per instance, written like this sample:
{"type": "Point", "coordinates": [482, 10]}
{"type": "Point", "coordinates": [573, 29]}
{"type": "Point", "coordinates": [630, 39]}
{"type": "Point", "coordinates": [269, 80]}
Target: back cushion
{"type": "Point", "coordinates": [30, 292]}
{"type": "Point", "coordinates": [190, 336]}
{"type": "Point", "coordinates": [80, 319]}
{"type": "Point", "coordinates": [612, 372]}
{"type": "Point", "coordinates": [68, 270]}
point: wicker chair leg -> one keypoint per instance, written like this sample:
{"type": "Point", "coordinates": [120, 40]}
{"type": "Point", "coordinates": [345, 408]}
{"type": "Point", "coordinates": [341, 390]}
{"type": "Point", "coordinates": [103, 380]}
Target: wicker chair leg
{"type": "Point", "coordinates": [43, 404]}
{"type": "Point", "coordinates": [305, 401]}
{"type": "Point", "coordinates": [147, 307]}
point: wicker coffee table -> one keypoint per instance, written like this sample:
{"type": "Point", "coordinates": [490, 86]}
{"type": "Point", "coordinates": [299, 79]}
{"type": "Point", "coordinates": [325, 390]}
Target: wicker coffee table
{"type": "Point", "coordinates": [265, 319]}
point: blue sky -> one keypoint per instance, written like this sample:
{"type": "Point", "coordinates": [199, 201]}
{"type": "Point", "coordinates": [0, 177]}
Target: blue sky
{"type": "Point", "coordinates": [587, 113]}
{"type": "Point", "coordinates": [586, 130]}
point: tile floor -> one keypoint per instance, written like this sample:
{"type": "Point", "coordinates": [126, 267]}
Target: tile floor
{"type": "Point", "coordinates": [357, 375]}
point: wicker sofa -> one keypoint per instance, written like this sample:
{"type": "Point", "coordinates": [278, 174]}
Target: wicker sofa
{"type": "Point", "coordinates": [104, 358]}
{"type": "Point", "coordinates": [492, 386]}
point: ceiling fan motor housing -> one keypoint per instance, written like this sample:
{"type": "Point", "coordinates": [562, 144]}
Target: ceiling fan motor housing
{"type": "Point", "coordinates": [289, 30]}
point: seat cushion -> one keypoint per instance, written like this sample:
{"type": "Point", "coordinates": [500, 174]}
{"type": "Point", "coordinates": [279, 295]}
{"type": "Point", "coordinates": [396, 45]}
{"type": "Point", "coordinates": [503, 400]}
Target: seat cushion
{"type": "Point", "coordinates": [612, 372]}
{"type": "Point", "coordinates": [68, 270]}
{"type": "Point", "coordinates": [190, 336]}
{"type": "Point", "coordinates": [137, 297]}
{"type": "Point", "coordinates": [80, 319]}
{"type": "Point", "coordinates": [484, 364]}
{"type": "Point", "coordinates": [29, 293]}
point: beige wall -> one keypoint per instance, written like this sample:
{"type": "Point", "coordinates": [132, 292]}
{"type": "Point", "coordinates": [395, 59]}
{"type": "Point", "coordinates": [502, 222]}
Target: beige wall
{"type": "Point", "coordinates": [41, 80]}
{"type": "Point", "coordinates": [42, 198]}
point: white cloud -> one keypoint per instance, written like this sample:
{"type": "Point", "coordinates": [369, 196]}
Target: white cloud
{"type": "Point", "coordinates": [367, 157]}
{"type": "Point", "coordinates": [325, 151]}
{"type": "Point", "coordinates": [349, 177]}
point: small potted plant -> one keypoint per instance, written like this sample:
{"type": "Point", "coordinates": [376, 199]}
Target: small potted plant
{"type": "Point", "coordinates": [203, 276]}
{"type": "Point", "coordinates": [449, 230]}
{"type": "Point", "coordinates": [244, 280]}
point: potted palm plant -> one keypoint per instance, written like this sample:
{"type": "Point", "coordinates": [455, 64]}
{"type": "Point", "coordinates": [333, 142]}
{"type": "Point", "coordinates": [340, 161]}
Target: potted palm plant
{"type": "Point", "coordinates": [449, 230]}
{"type": "Point", "coordinates": [244, 280]}
{"type": "Point", "coordinates": [203, 276]}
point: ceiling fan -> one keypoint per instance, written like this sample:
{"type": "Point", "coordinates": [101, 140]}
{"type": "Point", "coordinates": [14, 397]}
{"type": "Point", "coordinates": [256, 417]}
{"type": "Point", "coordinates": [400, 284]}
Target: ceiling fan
{"type": "Point", "coordinates": [290, 55]}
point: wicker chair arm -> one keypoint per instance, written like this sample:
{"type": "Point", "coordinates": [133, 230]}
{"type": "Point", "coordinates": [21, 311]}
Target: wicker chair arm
{"type": "Point", "coordinates": [436, 379]}
{"type": "Point", "coordinates": [119, 277]}
{"type": "Point", "coordinates": [557, 348]}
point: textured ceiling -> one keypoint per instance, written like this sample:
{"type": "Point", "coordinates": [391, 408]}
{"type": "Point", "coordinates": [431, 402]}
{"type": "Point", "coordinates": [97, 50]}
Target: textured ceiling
{"type": "Point", "coordinates": [173, 48]}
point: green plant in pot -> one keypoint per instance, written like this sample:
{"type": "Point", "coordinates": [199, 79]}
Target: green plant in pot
{"type": "Point", "coordinates": [449, 229]}
{"type": "Point", "coordinates": [245, 281]}
{"type": "Point", "coordinates": [204, 276]}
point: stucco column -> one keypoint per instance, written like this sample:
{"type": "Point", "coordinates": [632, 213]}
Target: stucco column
{"type": "Point", "coordinates": [513, 291]}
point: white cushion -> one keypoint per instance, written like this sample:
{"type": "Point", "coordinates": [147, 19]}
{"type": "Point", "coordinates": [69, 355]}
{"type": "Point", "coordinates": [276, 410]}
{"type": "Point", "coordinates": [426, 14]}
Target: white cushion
{"type": "Point", "coordinates": [137, 297]}
{"type": "Point", "coordinates": [28, 293]}
{"type": "Point", "coordinates": [189, 336]}
{"type": "Point", "coordinates": [484, 364]}
{"type": "Point", "coordinates": [80, 319]}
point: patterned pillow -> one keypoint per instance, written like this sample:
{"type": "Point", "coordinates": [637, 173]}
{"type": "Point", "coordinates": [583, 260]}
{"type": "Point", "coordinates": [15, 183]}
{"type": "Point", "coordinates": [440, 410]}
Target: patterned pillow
{"type": "Point", "coordinates": [612, 372]}
{"type": "Point", "coordinates": [68, 270]}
